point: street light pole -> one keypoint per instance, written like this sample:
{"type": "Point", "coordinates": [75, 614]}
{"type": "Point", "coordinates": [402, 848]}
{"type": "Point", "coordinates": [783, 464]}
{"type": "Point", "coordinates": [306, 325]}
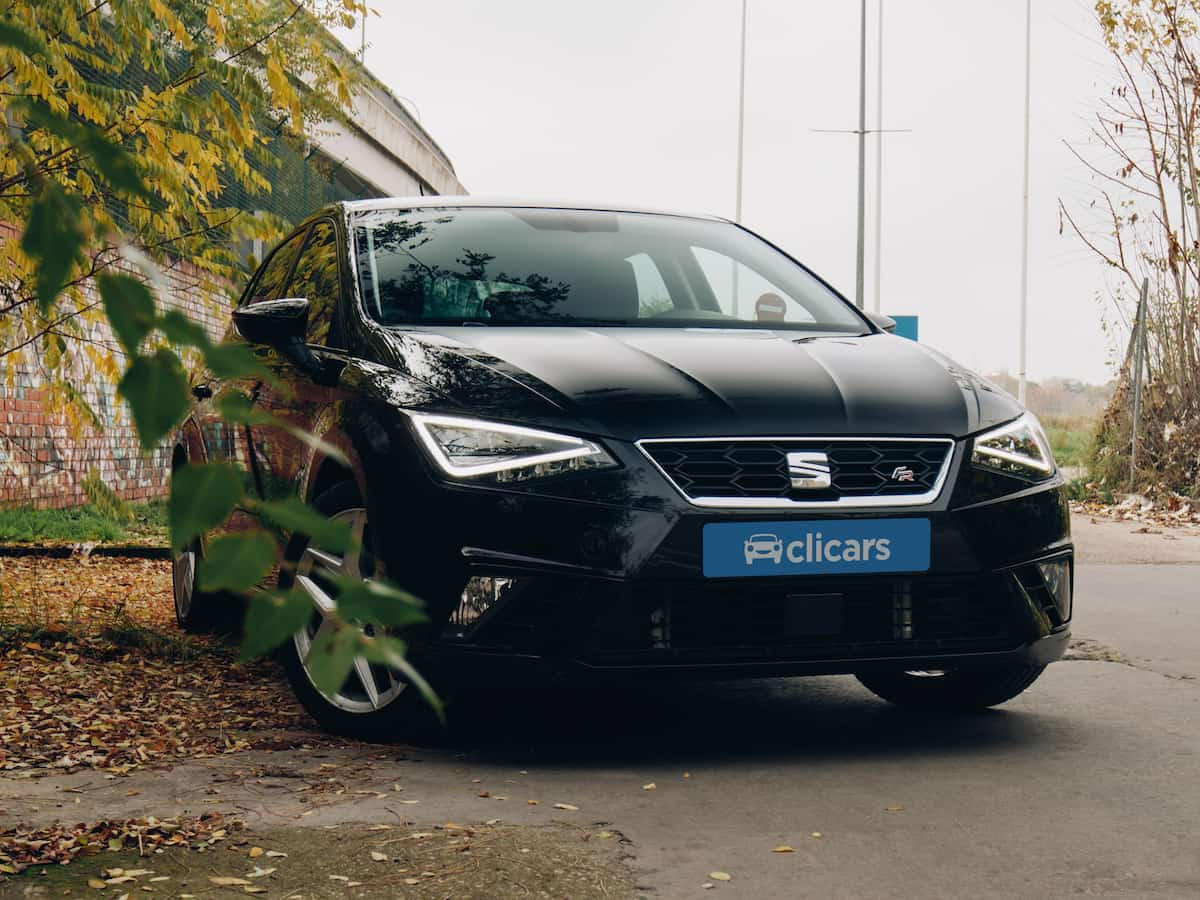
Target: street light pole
{"type": "Point", "coordinates": [862, 157]}
{"type": "Point", "coordinates": [1024, 317]}
{"type": "Point", "coordinates": [878, 165]}
{"type": "Point", "coordinates": [737, 215]}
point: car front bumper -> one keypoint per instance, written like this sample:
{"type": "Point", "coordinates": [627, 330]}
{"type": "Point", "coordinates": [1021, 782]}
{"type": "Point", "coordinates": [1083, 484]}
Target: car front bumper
{"type": "Point", "coordinates": [593, 585]}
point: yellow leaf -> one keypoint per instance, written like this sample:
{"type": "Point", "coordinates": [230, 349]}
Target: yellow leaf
{"type": "Point", "coordinates": [783, 848]}
{"type": "Point", "coordinates": [720, 876]}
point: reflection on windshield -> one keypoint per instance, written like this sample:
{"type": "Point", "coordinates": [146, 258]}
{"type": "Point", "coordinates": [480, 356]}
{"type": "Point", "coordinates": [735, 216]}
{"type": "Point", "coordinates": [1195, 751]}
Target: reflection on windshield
{"type": "Point", "coordinates": [545, 267]}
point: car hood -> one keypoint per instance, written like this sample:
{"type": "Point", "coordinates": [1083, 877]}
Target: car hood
{"type": "Point", "coordinates": [632, 383]}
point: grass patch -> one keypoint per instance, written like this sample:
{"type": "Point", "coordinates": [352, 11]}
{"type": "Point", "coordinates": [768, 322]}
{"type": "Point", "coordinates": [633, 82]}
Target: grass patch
{"type": "Point", "coordinates": [25, 525]}
{"type": "Point", "coordinates": [1070, 438]}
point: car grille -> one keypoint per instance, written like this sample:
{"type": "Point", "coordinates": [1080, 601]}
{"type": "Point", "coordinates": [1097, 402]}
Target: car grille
{"type": "Point", "coordinates": [758, 469]}
{"type": "Point", "coordinates": [827, 619]}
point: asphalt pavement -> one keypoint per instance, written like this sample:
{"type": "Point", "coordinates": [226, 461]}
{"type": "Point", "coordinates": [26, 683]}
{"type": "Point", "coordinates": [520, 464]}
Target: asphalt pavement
{"type": "Point", "coordinates": [1086, 785]}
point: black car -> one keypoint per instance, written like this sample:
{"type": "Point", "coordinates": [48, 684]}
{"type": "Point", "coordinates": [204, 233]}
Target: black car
{"type": "Point", "coordinates": [620, 442]}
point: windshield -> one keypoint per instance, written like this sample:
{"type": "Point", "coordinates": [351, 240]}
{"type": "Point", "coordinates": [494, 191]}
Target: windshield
{"type": "Point", "coordinates": [483, 265]}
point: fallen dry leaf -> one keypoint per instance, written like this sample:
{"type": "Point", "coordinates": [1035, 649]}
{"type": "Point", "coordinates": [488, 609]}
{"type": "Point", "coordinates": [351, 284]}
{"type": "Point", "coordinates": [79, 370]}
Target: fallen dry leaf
{"type": "Point", "coordinates": [256, 852]}
{"type": "Point", "coordinates": [720, 876]}
{"type": "Point", "coordinates": [110, 683]}
{"type": "Point", "coordinates": [227, 880]}
{"type": "Point", "coordinates": [650, 787]}
{"type": "Point", "coordinates": [783, 848]}
{"type": "Point", "coordinates": [567, 806]}
{"type": "Point", "coordinates": [379, 857]}
{"type": "Point", "coordinates": [21, 846]}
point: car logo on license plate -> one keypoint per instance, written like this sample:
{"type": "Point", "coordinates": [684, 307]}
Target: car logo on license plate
{"type": "Point", "coordinates": [809, 470]}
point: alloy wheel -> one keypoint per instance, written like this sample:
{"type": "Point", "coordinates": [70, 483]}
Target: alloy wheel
{"type": "Point", "coordinates": [369, 687]}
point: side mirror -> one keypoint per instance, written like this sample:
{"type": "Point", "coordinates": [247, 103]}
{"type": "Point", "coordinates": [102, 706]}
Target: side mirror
{"type": "Point", "coordinates": [879, 320]}
{"type": "Point", "coordinates": [283, 324]}
{"type": "Point", "coordinates": [273, 322]}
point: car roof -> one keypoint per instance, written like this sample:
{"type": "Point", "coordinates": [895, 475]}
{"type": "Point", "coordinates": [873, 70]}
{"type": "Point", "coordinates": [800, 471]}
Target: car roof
{"type": "Point", "coordinates": [442, 201]}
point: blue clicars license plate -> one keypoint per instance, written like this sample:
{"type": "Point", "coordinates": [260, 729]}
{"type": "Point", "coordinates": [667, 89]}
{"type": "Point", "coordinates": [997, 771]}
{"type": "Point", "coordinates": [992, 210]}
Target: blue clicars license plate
{"type": "Point", "coordinates": [826, 547]}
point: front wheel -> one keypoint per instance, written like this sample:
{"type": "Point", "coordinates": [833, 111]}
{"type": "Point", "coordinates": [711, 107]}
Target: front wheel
{"type": "Point", "coordinates": [959, 690]}
{"type": "Point", "coordinates": [373, 702]}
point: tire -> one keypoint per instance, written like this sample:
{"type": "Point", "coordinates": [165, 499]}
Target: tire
{"type": "Point", "coordinates": [955, 691]}
{"type": "Point", "coordinates": [197, 611]}
{"type": "Point", "coordinates": [393, 709]}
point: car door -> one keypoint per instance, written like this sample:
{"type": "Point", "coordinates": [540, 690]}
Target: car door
{"type": "Point", "coordinates": [301, 395]}
{"type": "Point", "coordinates": [207, 437]}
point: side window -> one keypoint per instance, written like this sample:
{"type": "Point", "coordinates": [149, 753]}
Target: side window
{"type": "Point", "coordinates": [274, 272]}
{"type": "Point", "coordinates": [653, 296]}
{"type": "Point", "coordinates": [316, 278]}
{"type": "Point", "coordinates": [744, 293]}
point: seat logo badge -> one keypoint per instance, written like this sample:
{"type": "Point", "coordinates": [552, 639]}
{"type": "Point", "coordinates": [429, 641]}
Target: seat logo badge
{"type": "Point", "coordinates": [809, 470]}
{"type": "Point", "coordinates": [903, 473]}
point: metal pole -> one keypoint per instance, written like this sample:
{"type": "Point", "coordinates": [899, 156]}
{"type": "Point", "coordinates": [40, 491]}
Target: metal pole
{"type": "Point", "coordinates": [1024, 317]}
{"type": "Point", "coordinates": [1139, 350]}
{"type": "Point", "coordinates": [862, 156]}
{"type": "Point", "coordinates": [737, 215]}
{"type": "Point", "coordinates": [1183, 241]}
{"type": "Point", "coordinates": [878, 166]}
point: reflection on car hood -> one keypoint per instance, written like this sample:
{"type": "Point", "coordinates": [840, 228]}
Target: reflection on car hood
{"type": "Point", "coordinates": [633, 383]}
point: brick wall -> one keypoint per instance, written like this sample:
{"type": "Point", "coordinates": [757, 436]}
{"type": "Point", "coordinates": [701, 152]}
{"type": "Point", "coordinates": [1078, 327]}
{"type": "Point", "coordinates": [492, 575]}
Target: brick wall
{"type": "Point", "coordinates": [43, 464]}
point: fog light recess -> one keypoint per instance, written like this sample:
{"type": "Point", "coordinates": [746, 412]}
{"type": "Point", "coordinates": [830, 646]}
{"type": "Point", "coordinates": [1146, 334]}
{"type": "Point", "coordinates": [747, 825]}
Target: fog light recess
{"type": "Point", "coordinates": [481, 594]}
{"type": "Point", "coordinates": [1056, 575]}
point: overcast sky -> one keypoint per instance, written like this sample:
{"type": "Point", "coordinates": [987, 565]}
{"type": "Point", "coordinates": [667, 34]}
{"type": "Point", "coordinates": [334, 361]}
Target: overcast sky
{"type": "Point", "coordinates": [636, 101]}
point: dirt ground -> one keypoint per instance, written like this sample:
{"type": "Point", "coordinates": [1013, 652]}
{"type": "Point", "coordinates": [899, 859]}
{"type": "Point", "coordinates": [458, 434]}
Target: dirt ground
{"type": "Point", "coordinates": [367, 861]}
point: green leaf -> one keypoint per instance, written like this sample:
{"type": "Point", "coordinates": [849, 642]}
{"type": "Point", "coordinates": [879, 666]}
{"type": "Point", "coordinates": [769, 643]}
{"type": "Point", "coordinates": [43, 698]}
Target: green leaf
{"type": "Point", "coordinates": [53, 238]}
{"type": "Point", "coordinates": [306, 437]}
{"type": "Point", "coordinates": [234, 360]}
{"type": "Point", "coordinates": [129, 307]}
{"type": "Point", "coordinates": [377, 602]}
{"type": "Point", "coordinates": [271, 618]}
{"type": "Point", "coordinates": [202, 497]}
{"type": "Point", "coordinates": [331, 656]}
{"type": "Point", "coordinates": [179, 329]}
{"type": "Point", "coordinates": [295, 516]}
{"type": "Point", "coordinates": [237, 562]}
{"type": "Point", "coordinates": [156, 389]}
{"type": "Point", "coordinates": [390, 652]}
{"type": "Point", "coordinates": [236, 408]}
{"type": "Point", "coordinates": [17, 36]}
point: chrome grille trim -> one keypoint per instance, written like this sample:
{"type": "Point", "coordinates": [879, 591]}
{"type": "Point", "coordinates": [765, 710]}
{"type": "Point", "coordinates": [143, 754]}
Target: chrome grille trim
{"type": "Point", "coordinates": [876, 502]}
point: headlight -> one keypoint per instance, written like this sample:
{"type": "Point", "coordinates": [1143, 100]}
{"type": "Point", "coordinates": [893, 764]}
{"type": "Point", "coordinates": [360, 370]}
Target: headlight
{"type": "Point", "coordinates": [1018, 448]}
{"type": "Point", "coordinates": [473, 448]}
